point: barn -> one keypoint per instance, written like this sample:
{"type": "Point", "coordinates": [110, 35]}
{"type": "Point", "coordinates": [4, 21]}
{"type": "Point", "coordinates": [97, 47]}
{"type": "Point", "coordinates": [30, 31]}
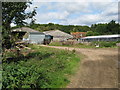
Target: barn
{"type": "Point", "coordinates": [58, 35]}
{"type": "Point", "coordinates": [31, 35]}
{"type": "Point", "coordinates": [101, 38]}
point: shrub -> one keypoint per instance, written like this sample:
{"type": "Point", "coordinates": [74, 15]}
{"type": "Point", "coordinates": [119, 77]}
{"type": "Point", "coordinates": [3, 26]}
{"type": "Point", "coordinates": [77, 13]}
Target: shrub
{"type": "Point", "coordinates": [43, 68]}
{"type": "Point", "coordinates": [55, 43]}
{"type": "Point", "coordinates": [104, 44]}
{"type": "Point", "coordinates": [68, 43]}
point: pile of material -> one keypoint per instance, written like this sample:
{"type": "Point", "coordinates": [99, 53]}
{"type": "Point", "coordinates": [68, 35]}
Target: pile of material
{"type": "Point", "coordinates": [19, 50]}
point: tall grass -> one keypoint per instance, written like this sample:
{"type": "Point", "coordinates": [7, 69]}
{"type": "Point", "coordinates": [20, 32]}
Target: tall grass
{"type": "Point", "coordinates": [78, 45]}
{"type": "Point", "coordinates": [105, 44]}
{"type": "Point", "coordinates": [102, 44]}
{"type": "Point", "coordinates": [43, 68]}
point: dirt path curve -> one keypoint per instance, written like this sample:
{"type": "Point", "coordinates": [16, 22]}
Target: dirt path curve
{"type": "Point", "coordinates": [99, 68]}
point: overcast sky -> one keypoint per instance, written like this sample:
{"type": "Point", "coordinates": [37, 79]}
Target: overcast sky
{"type": "Point", "coordinates": [75, 12]}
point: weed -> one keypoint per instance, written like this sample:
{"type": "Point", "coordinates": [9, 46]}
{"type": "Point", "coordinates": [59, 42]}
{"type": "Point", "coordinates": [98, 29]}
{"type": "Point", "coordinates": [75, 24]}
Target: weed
{"type": "Point", "coordinates": [43, 68]}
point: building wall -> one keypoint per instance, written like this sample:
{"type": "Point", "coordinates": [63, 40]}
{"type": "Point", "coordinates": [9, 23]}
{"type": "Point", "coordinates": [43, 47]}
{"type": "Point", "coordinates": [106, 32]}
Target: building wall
{"type": "Point", "coordinates": [35, 38]}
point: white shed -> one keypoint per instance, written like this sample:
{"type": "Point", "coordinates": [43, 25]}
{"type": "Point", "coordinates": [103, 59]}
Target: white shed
{"type": "Point", "coordinates": [31, 36]}
{"type": "Point", "coordinates": [101, 38]}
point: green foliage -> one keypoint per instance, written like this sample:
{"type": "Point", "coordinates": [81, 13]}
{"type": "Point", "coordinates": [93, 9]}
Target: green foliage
{"type": "Point", "coordinates": [90, 45]}
{"type": "Point", "coordinates": [105, 29]}
{"type": "Point", "coordinates": [65, 28]}
{"type": "Point", "coordinates": [43, 68]}
{"type": "Point", "coordinates": [113, 27]}
{"type": "Point", "coordinates": [14, 12]}
{"type": "Point", "coordinates": [91, 33]}
{"type": "Point", "coordinates": [104, 44]}
{"type": "Point", "coordinates": [0, 78]}
{"type": "Point", "coordinates": [78, 45]}
{"type": "Point", "coordinates": [9, 54]}
{"type": "Point", "coordinates": [55, 43]}
{"type": "Point", "coordinates": [64, 43]}
{"type": "Point", "coordinates": [96, 29]}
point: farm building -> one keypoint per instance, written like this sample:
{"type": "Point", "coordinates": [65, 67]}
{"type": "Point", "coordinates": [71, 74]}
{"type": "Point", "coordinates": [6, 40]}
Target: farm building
{"type": "Point", "coordinates": [58, 35]}
{"type": "Point", "coordinates": [100, 38]}
{"type": "Point", "coordinates": [31, 35]}
{"type": "Point", "coordinates": [77, 35]}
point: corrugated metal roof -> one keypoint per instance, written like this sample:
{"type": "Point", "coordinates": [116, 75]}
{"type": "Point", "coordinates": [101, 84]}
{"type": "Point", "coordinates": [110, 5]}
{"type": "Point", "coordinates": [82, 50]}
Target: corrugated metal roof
{"type": "Point", "coordinates": [36, 32]}
{"type": "Point", "coordinates": [102, 36]}
{"type": "Point", "coordinates": [57, 33]}
{"type": "Point", "coordinates": [26, 29]}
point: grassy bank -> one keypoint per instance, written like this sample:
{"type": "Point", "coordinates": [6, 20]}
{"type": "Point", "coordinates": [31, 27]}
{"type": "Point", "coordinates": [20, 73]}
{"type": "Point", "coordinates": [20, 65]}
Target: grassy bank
{"type": "Point", "coordinates": [80, 45]}
{"type": "Point", "coordinates": [42, 68]}
{"type": "Point", "coordinates": [90, 45]}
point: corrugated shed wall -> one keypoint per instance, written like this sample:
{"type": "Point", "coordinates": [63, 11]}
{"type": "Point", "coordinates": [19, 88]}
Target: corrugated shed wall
{"type": "Point", "coordinates": [36, 38]}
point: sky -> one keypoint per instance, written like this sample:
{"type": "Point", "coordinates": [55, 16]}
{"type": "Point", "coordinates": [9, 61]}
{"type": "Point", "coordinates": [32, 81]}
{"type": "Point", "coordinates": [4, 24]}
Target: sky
{"type": "Point", "coordinates": [75, 12]}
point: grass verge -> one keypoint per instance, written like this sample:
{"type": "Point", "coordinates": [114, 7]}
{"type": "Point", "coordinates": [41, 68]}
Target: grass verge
{"type": "Point", "coordinates": [43, 68]}
{"type": "Point", "coordinates": [90, 45]}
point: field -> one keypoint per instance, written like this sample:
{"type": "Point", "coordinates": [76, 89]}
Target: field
{"type": "Point", "coordinates": [43, 67]}
{"type": "Point", "coordinates": [98, 68]}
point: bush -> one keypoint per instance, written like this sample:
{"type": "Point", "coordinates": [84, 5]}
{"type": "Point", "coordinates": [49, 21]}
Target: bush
{"type": "Point", "coordinates": [55, 43]}
{"type": "Point", "coordinates": [68, 43]}
{"type": "Point", "coordinates": [104, 44]}
{"type": "Point", "coordinates": [63, 43]}
{"type": "Point", "coordinates": [43, 68]}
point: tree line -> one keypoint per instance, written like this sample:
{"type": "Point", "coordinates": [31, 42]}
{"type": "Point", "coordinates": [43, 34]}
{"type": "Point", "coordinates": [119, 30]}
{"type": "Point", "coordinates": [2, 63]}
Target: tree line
{"type": "Point", "coordinates": [95, 29]}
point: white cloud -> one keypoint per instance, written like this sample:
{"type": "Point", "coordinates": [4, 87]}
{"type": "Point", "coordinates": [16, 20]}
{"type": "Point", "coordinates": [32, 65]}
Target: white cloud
{"type": "Point", "coordinates": [90, 11]}
{"type": "Point", "coordinates": [85, 20]}
{"type": "Point", "coordinates": [92, 19]}
{"type": "Point", "coordinates": [71, 7]}
{"type": "Point", "coordinates": [111, 9]}
{"type": "Point", "coordinates": [46, 17]}
{"type": "Point", "coordinates": [108, 12]}
{"type": "Point", "coordinates": [74, 0]}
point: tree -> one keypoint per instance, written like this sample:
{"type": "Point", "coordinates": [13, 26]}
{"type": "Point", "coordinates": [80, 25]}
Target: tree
{"type": "Point", "coordinates": [13, 12]}
{"type": "Point", "coordinates": [108, 28]}
{"type": "Point", "coordinates": [113, 27]}
{"type": "Point", "coordinates": [101, 29]}
{"type": "Point", "coordinates": [91, 33]}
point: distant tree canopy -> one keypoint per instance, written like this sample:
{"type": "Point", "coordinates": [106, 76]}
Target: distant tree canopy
{"type": "Point", "coordinates": [96, 29]}
{"type": "Point", "coordinates": [65, 28]}
{"type": "Point", "coordinates": [91, 33]}
{"type": "Point", "coordinates": [13, 12]}
{"type": "Point", "coordinates": [108, 28]}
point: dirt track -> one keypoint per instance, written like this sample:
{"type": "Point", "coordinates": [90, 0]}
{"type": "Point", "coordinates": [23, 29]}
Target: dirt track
{"type": "Point", "coordinates": [98, 69]}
